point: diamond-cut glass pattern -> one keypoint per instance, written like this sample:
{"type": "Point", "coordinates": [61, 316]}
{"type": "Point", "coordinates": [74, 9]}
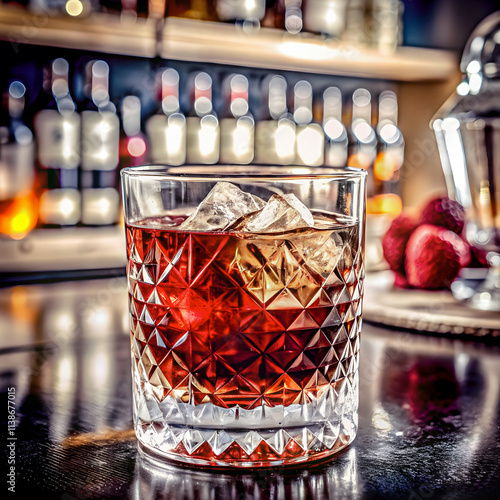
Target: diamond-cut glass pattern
{"type": "Point", "coordinates": [258, 333]}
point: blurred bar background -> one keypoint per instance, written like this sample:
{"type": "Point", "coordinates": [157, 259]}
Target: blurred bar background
{"type": "Point", "coordinates": [90, 87]}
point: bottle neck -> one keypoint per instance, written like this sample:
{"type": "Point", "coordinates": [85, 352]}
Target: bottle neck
{"type": "Point", "coordinates": [170, 92]}
{"type": "Point", "coordinates": [387, 126]}
{"type": "Point", "coordinates": [202, 101]}
{"type": "Point", "coordinates": [332, 105]}
{"type": "Point", "coordinates": [202, 106]}
{"type": "Point", "coordinates": [276, 97]}
{"type": "Point", "coordinates": [236, 91]}
{"type": "Point", "coordinates": [131, 115]}
{"type": "Point", "coordinates": [59, 86]}
{"type": "Point", "coordinates": [361, 107]}
{"type": "Point", "coordinates": [16, 100]}
{"type": "Point", "coordinates": [17, 131]}
{"type": "Point", "coordinates": [387, 109]}
{"type": "Point", "coordinates": [60, 78]}
{"type": "Point", "coordinates": [99, 84]}
{"type": "Point", "coordinates": [332, 115]}
{"type": "Point", "coordinates": [302, 103]}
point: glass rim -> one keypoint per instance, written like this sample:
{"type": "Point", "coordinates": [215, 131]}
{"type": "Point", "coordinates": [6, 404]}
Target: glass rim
{"type": "Point", "coordinates": [252, 172]}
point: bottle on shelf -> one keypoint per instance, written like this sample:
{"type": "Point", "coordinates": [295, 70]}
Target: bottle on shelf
{"type": "Point", "coordinates": [166, 130]}
{"type": "Point", "coordinates": [248, 12]}
{"type": "Point", "coordinates": [362, 137]}
{"type": "Point", "coordinates": [18, 202]}
{"type": "Point", "coordinates": [310, 139]}
{"type": "Point", "coordinates": [99, 150]}
{"type": "Point", "coordinates": [57, 131]}
{"type": "Point", "coordinates": [354, 32]}
{"type": "Point", "coordinates": [293, 16]}
{"type": "Point", "coordinates": [288, 15]}
{"type": "Point", "coordinates": [336, 141]}
{"type": "Point", "coordinates": [203, 131]}
{"type": "Point", "coordinates": [327, 17]}
{"type": "Point", "coordinates": [390, 157]}
{"type": "Point", "coordinates": [386, 21]}
{"type": "Point", "coordinates": [275, 131]}
{"type": "Point", "coordinates": [237, 126]}
{"type": "Point", "coordinates": [133, 145]}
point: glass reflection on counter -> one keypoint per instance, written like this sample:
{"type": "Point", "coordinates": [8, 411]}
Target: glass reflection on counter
{"type": "Point", "coordinates": [77, 365]}
{"type": "Point", "coordinates": [163, 480]}
{"type": "Point", "coordinates": [81, 378]}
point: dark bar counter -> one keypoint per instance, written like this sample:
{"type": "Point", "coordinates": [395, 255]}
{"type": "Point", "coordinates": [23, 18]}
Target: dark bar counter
{"type": "Point", "coordinates": [428, 423]}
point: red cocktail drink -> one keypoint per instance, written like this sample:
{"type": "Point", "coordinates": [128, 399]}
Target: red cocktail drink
{"type": "Point", "coordinates": [245, 322]}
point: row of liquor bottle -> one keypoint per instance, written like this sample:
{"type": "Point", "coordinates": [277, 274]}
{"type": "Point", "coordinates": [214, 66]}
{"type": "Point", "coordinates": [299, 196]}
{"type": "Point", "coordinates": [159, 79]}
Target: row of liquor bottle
{"type": "Point", "coordinates": [60, 160]}
{"type": "Point", "coordinates": [376, 22]}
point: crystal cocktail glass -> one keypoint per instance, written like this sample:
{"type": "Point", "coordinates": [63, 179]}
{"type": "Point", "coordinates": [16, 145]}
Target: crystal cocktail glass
{"type": "Point", "coordinates": [245, 290]}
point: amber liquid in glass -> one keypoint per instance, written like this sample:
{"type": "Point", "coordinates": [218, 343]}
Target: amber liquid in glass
{"type": "Point", "coordinates": [234, 330]}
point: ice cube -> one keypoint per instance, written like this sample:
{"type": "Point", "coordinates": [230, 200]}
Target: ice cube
{"type": "Point", "coordinates": [258, 201]}
{"type": "Point", "coordinates": [320, 250]}
{"type": "Point", "coordinates": [223, 205]}
{"type": "Point", "coordinates": [281, 213]}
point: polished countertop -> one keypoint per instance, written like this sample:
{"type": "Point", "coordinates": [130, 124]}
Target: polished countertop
{"type": "Point", "coordinates": [428, 420]}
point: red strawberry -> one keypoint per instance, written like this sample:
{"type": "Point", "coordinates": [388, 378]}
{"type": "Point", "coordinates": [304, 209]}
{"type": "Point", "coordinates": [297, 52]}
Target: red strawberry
{"type": "Point", "coordinates": [395, 239]}
{"type": "Point", "coordinates": [444, 212]}
{"type": "Point", "coordinates": [434, 256]}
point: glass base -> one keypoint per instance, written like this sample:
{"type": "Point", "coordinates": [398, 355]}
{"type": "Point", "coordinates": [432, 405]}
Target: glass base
{"type": "Point", "coordinates": [265, 455]}
{"type": "Point", "coordinates": [208, 435]}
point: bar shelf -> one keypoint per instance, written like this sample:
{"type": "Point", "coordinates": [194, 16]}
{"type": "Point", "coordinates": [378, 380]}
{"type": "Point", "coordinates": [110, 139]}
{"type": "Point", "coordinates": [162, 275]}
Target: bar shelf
{"type": "Point", "coordinates": [218, 43]}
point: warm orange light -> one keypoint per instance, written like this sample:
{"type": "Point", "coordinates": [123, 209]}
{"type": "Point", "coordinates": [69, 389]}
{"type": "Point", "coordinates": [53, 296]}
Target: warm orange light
{"type": "Point", "coordinates": [24, 304]}
{"type": "Point", "coordinates": [359, 160]}
{"type": "Point", "coordinates": [388, 203]}
{"type": "Point", "coordinates": [18, 216]}
{"type": "Point", "coordinates": [384, 167]}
